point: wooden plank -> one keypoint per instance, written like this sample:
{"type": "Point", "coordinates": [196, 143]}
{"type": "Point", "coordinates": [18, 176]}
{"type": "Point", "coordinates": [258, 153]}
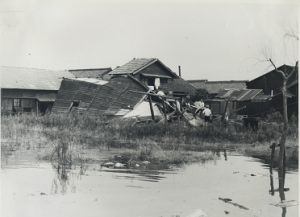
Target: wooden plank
{"type": "Point", "coordinates": [164, 109]}
{"type": "Point", "coordinates": [150, 94]}
{"type": "Point", "coordinates": [94, 98]}
{"type": "Point", "coordinates": [151, 108]}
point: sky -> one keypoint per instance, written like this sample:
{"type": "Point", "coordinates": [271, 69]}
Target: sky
{"type": "Point", "coordinates": [210, 40]}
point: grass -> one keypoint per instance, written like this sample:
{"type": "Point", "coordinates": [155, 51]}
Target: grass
{"type": "Point", "coordinates": [174, 143]}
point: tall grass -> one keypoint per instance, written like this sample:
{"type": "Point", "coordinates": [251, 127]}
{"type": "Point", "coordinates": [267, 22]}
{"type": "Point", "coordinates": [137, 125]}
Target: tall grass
{"type": "Point", "coordinates": [84, 131]}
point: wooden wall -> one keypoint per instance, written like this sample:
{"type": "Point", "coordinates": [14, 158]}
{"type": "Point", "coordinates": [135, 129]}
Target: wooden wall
{"type": "Point", "coordinates": [28, 100]}
{"type": "Point", "coordinates": [156, 69]}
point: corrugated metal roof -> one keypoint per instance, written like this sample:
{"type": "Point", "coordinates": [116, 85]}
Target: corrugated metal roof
{"type": "Point", "coordinates": [28, 78]}
{"type": "Point", "coordinates": [214, 87]}
{"type": "Point", "coordinates": [261, 98]}
{"type": "Point", "coordinates": [91, 80]}
{"type": "Point", "coordinates": [247, 95]}
{"type": "Point", "coordinates": [239, 95]}
{"type": "Point", "coordinates": [225, 93]}
{"type": "Point", "coordinates": [132, 66]}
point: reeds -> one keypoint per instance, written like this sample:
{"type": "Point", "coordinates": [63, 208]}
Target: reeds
{"type": "Point", "coordinates": [84, 131]}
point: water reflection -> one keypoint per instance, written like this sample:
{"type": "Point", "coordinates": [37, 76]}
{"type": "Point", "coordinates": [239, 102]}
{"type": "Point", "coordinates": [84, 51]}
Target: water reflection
{"type": "Point", "coordinates": [281, 180]}
{"type": "Point", "coordinates": [64, 177]}
{"type": "Point", "coordinates": [225, 155]}
{"type": "Point", "coordinates": [64, 169]}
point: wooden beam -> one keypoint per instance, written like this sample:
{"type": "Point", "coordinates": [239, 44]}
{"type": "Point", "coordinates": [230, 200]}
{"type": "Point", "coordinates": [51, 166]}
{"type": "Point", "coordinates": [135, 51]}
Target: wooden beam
{"type": "Point", "coordinates": [151, 94]}
{"type": "Point", "coordinates": [177, 111]}
{"type": "Point", "coordinates": [164, 107]}
{"type": "Point", "coordinates": [151, 108]}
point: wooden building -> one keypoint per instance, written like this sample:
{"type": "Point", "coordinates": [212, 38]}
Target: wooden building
{"type": "Point", "coordinates": [239, 103]}
{"type": "Point", "coordinates": [153, 73]}
{"type": "Point", "coordinates": [116, 97]}
{"type": "Point", "coordinates": [271, 84]}
{"type": "Point", "coordinates": [29, 90]}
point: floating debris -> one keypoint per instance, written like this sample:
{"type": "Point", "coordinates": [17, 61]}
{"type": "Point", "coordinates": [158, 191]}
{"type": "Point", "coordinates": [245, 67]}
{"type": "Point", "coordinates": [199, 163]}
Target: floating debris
{"type": "Point", "coordinates": [284, 204]}
{"type": "Point", "coordinates": [227, 200]}
{"type": "Point", "coordinates": [108, 164]}
{"type": "Point", "coordinates": [118, 165]}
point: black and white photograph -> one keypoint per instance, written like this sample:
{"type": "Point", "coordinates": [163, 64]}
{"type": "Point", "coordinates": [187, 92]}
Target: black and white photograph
{"type": "Point", "coordinates": [150, 108]}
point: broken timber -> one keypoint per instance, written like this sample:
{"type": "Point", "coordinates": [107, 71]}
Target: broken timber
{"type": "Point", "coordinates": [151, 108]}
{"type": "Point", "coordinates": [152, 94]}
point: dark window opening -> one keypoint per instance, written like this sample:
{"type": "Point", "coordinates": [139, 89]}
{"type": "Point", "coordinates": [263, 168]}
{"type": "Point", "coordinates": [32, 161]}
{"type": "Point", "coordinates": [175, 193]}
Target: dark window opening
{"type": "Point", "coordinates": [151, 81]}
{"type": "Point", "coordinates": [28, 105]}
{"type": "Point", "coordinates": [74, 105]}
{"type": "Point", "coordinates": [45, 107]}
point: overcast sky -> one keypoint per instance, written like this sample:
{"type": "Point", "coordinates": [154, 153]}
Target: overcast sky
{"type": "Point", "coordinates": [214, 41]}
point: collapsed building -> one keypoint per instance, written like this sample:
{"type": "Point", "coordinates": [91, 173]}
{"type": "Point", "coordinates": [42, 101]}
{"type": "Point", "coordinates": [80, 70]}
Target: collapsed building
{"type": "Point", "coordinates": [127, 93]}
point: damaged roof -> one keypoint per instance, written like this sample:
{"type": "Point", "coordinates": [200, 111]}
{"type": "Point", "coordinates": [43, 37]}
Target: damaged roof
{"type": "Point", "coordinates": [214, 87]}
{"type": "Point", "coordinates": [91, 80]}
{"type": "Point", "coordinates": [239, 95]}
{"type": "Point", "coordinates": [179, 85]}
{"type": "Point", "coordinates": [121, 93]}
{"type": "Point", "coordinates": [90, 73]}
{"type": "Point", "coordinates": [136, 65]}
{"type": "Point", "coordinates": [29, 78]}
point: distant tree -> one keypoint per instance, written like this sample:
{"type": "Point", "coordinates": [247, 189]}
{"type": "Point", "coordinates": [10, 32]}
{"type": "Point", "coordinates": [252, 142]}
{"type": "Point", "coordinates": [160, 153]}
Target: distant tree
{"type": "Point", "coordinates": [199, 94]}
{"type": "Point", "coordinates": [267, 54]}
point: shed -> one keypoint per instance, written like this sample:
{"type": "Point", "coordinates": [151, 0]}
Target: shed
{"type": "Point", "coordinates": [238, 102]}
{"type": "Point", "coordinates": [271, 84]}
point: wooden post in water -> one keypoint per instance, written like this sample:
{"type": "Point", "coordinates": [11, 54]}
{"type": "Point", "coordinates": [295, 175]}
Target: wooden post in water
{"type": "Point", "coordinates": [164, 107]}
{"type": "Point", "coordinates": [271, 168]}
{"type": "Point", "coordinates": [151, 108]}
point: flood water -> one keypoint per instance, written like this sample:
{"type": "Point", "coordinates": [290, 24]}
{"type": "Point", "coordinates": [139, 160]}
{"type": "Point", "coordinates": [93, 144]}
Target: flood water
{"type": "Point", "coordinates": [38, 188]}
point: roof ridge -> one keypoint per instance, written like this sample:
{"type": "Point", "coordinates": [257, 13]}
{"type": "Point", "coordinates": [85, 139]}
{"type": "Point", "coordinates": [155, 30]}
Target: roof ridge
{"type": "Point", "coordinates": [196, 80]}
{"type": "Point", "coordinates": [20, 67]}
{"type": "Point", "coordinates": [88, 69]}
{"type": "Point", "coordinates": [150, 60]}
{"type": "Point", "coordinates": [227, 81]}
